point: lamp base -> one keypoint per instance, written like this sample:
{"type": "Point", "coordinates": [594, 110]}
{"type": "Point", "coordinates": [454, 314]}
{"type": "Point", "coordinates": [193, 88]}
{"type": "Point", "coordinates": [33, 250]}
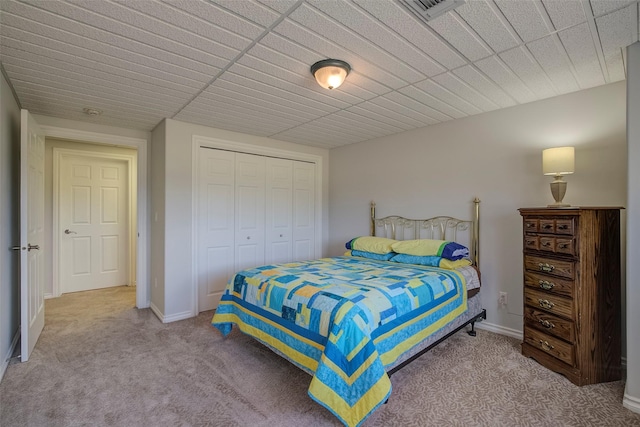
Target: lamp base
{"type": "Point", "coordinates": [558, 189]}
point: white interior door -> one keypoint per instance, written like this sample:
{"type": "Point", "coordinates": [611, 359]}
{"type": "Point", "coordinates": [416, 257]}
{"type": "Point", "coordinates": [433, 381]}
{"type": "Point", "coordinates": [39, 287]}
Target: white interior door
{"type": "Point", "coordinates": [304, 230]}
{"type": "Point", "coordinates": [31, 233]}
{"type": "Point", "coordinates": [278, 214]}
{"type": "Point", "coordinates": [250, 204]}
{"type": "Point", "coordinates": [93, 223]}
{"type": "Point", "coordinates": [216, 225]}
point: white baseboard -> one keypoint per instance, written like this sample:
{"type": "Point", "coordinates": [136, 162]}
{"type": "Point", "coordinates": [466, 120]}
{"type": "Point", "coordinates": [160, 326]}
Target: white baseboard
{"type": "Point", "coordinates": [5, 360]}
{"type": "Point", "coordinates": [631, 403]}
{"type": "Point", "coordinates": [171, 318]}
{"type": "Point", "coordinates": [492, 327]}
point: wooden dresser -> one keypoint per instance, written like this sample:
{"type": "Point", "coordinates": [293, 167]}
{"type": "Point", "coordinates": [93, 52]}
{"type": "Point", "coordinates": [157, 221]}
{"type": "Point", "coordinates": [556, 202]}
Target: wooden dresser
{"type": "Point", "coordinates": [572, 306]}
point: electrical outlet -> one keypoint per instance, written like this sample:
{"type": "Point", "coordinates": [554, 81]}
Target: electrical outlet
{"type": "Point", "coordinates": [502, 299]}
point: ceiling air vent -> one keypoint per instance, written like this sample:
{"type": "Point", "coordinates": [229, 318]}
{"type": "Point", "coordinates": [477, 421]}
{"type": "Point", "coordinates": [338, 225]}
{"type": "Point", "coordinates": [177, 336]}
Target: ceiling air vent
{"type": "Point", "coordinates": [427, 10]}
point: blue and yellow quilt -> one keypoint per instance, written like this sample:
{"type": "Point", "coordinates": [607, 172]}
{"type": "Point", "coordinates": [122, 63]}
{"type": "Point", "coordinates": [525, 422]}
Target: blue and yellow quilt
{"type": "Point", "coordinates": [345, 320]}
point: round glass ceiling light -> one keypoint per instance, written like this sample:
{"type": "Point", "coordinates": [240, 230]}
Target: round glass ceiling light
{"type": "Point", "coordinates": [330, 73]}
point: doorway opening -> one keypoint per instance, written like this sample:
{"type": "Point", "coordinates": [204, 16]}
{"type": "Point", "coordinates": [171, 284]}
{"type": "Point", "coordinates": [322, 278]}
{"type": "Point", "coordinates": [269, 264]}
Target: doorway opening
{"type": "Point", "coordinates": [90, 202]}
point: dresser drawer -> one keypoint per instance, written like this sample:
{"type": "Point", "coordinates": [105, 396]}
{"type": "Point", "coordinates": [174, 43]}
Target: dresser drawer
{"type": "Point", "coordinates": [549, 303]}
{"type": "Point", "coordinates": [530, 225]}
{"type": "Point", "coordinates": [532, 242]}
{"type": "Point", "coordinates": [555, 267]}
{"type": "Point", "coordinates": [549, 284]}
{"type": "Point", "coordinates": [565, 226]}
{"type": "Point", "coordinates": [550, 324]}
{"type": "Point", "coordinates": [551, 345]}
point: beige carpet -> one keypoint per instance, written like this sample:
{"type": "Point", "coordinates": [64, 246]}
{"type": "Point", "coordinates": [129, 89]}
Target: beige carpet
{"type": "Point", "coordinates": [101, 362]}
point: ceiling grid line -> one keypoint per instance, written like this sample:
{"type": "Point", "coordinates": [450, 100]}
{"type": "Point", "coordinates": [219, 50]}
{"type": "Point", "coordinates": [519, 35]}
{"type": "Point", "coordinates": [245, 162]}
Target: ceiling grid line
{"type": "Point", "coordinates": [241, 54]}
{"type": "Point", "coordinates": [597, 45]}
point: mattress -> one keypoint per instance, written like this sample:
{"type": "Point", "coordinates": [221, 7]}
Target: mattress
{"type": "Point", "coordinates": [345, 320]}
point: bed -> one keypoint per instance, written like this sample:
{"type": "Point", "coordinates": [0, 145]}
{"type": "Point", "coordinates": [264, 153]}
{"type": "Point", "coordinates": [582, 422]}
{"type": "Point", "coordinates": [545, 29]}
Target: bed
{"type": "Point", "coordinates": [352, 321]}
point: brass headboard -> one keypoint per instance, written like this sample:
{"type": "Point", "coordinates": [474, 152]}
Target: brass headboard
{"type": "Point", "coordinates": [465, 232]}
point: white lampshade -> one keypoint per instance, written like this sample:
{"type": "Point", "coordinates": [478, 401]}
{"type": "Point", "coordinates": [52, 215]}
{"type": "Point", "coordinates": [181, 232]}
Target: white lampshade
{"type": "Point", "coordinates": [330, 73]}
{"type": "Point", "coordinates": [558, 161]}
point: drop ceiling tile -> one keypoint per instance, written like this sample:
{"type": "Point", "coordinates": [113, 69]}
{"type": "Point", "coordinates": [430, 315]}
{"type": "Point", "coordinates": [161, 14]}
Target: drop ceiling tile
{"type": "Point", "coordinates": [369, 116]}
{"type": "Point", "coordinates": [525, 66]}
{"type": "Point", "coordinates": [64, 63]}
{"type": "Point", "coordinates": [446, 95]}
{"type": "Point", "coordinates": [228, 118]}
{"type": "Point", "coordinates": [369, 28]}
{"type": "Point", "coordinates": [526, 18]}
{"type": "Point", "coordinates": [94, 99]}
{"type": "Point", "coordinates": [463, 90]}
{"type": "Point", "coordinates": [553, 59]}
{"type": "Point", "coordinates": [347, 123]}
{"type": "Point", "coordinates": [458, 33]}
{"type": "Point", "coordinates": [211, 18]}
{"type": "Point", "coordinates": [80, 83]}
{"type": "Point", "coordinates": [122, 21]}
{"type": "Point", "coordinates": [378, 123]}
{"type": "Point", "coordinates": [506, 78]}
{"type": "Point", "coordinates": [578, 43]}
{"type": "Point", "coordinates": [98, 51]}
{"type": "Point", "coordinates": [481, 83]}
{"type": "Point", "coordinates": [601, 7]}
{"type": "Point", "coordinates": [487, 24]}
{"type": "Point", "coordinates": [230, 95]}
{"type": "Point", "coordinates": [427, 99]}
{"type": "Point", "coordinates": [565, 13]}
{"type": "Point", "coordinates": [343, 36]}
{"type": "Point", "coordinates": [281, 6]}
{"type": "Point", "coordinates": [407, 105]}
{"type": "Point", "coordinates": [616, 30]}
{"type": "Point", "coordinates": [301, 102]}
{"type": "Point", "coordinates": [398, 112]}
{"type": "Point", "coordinates": [399, 20]}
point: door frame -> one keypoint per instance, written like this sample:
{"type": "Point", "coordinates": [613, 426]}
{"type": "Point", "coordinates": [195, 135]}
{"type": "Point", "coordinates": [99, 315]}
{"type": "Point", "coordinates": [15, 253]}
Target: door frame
{"type": "Point", "coordinates": [142, 269]}
{"type": "Point", "coordinates": [198, 141]}
{"type": "Point", "coordinates": [58, 154]}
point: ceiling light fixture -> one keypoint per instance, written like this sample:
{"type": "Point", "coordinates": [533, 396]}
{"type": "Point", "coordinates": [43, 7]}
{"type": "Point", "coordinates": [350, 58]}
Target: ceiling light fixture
{"type": "Point", "coordinates": [330, 73]}
{"type": "Point", "coordinates": [92, 111]}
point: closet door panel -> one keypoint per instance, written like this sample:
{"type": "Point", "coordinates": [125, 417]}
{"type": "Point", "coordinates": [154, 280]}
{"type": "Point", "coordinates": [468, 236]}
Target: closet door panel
{"type": "Point", "coordinates": [303, 211]}
{"type": "Point", "coordinates": [216, 225]}
{"type": "Point", "coordinates": [278, 214]}
{"type": "Point", "coordinates": [250, 208]}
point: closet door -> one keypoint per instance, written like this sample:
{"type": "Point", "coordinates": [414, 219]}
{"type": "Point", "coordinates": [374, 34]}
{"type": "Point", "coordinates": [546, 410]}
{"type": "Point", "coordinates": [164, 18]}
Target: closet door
{"type": "Point", "coordinates": [304, 211]}
{"type": "Point", "coordinates": [216, 225]}
{"type": "Point", "coordinates": [279, 211]}
{"type": "Point", "coordinates": [250, 211]}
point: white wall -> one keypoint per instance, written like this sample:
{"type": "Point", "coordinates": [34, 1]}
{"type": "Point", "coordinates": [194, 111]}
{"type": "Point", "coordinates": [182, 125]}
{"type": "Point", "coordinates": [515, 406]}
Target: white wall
{"type": "Point", "coordinates": [632, 391]}
{"type": "Point", "coordinates": [175, 210]}
{"type": "Point", "coordinates": [495, 156]}
{"type": "Point", "coordinates": [9, 222]}
{"type": "Point", "coordinates": [157, 162]}
{"type": "Point", "coordinates": [50, 144]}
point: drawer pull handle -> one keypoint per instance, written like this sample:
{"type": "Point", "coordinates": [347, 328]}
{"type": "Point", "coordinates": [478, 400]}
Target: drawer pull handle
{"type": "Point", "coordinates": [546, 285]}
{"type": "Point", "coordinates": [547, 226]}
{"type": "Point", "coordinates": [546, 346]}
{"type": "Point", "coordinates": [531, 242]}
{"type": "Point", "coordinates": [546, 267]}
{"type": "Point", "coordinates": [563, 227]}
{"type": "Point", "coordinates": [545, 303]}
{"type": "Point", "coordinates": [546, 244]}
{"type": "Point", "coordinates": [547, 324]}
{"type": "Point", "coordinates": [563, 245]}
{"type": "Point", "coordinates": [530, 225]}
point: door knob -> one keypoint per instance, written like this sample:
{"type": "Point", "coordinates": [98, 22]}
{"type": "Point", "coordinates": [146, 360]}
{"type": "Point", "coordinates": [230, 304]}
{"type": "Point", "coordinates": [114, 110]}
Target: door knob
{"type": "Point", "coordinates": [17, 248]}
{"type": "Point", "coordinates": [67, 231]}
{"type": "Point", "coordinates": [30, 247]}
